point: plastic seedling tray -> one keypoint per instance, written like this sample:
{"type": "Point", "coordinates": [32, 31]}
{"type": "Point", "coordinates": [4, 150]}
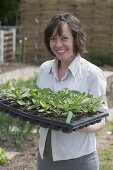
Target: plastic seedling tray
{"type": "Point", "coordinates": [15, 111]}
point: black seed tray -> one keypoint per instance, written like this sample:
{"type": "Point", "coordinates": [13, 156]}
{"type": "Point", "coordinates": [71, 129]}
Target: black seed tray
{"type": "Point", "coordinates": [48, 122]}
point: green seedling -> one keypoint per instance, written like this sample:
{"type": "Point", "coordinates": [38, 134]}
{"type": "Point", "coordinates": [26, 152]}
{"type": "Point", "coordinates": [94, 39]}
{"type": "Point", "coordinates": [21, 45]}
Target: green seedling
{"type": "Point", "coordinates": [3, 158]}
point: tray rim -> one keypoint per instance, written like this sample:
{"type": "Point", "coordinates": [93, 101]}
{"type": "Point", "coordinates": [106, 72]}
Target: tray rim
{"type": "Point", "coordinates": [38, 119]}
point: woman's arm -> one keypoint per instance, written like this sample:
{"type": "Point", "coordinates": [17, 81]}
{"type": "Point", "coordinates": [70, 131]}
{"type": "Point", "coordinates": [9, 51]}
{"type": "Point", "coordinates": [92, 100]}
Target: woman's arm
{"type": "Point", "coordinates": [94, 128]}
{"type": "Point", "coordinates": [97, 88]}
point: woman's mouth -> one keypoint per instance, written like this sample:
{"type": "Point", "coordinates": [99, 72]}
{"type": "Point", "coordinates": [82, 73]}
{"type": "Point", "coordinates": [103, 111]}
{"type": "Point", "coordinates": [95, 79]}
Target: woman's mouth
{"type": "Point", "coordinates": [61, 51]}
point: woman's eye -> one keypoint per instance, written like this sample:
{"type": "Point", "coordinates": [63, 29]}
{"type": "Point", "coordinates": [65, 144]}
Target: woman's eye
{"type": "Point", "coordinates": [64, 38]}
{"type": "Point", "coordinates": [52, 38]}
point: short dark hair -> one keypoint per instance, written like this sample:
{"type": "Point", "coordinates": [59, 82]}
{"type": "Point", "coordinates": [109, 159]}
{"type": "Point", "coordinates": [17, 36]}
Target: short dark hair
{"type": "Point", "coordinates": [73, 24]}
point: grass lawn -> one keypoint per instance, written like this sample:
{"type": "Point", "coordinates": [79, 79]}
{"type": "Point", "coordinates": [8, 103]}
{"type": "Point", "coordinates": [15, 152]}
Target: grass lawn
{"type": "Point", "coordinates": [105, 146]}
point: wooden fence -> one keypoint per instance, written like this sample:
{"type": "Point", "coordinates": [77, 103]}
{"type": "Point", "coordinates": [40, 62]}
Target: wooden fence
{"type": "Point", "coordinates": [7, 44]}
{"type": "Point", "coordinates": [96, 18]}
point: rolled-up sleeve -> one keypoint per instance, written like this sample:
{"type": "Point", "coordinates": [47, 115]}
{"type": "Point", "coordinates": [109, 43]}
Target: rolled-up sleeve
{"type": "Point", "coordinates": [98, 84]}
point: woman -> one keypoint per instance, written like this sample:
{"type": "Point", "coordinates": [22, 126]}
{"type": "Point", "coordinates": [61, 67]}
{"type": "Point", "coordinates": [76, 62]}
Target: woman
{"type": "Point", "coordinates": [65, 40]}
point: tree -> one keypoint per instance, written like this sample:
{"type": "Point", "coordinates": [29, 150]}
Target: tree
{"type": "Point", "coordinates": [8, 11]}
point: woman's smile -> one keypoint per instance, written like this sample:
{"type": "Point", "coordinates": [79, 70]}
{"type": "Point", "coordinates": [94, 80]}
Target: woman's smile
{"type": "Point", "coordinates": [61, 51]}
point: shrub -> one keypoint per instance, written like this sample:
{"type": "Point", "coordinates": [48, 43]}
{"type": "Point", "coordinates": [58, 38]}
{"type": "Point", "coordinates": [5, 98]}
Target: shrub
{"type": "Point", "coordinates": [100, 58]}
{"type": "Point", "coordinates": [3, 158]}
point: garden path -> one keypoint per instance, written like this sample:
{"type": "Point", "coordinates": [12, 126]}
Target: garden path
{"type": "Point", "coordinates": [21, 73]}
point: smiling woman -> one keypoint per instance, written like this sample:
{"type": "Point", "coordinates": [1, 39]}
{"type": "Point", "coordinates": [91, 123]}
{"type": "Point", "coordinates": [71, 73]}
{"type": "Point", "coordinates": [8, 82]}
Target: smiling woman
{"type": "Point", "coordinates": [62, 45]}
{"type": "Point", "coordinates": [57, 23]}
{"type": "Point", "coordinates": [65, 40]}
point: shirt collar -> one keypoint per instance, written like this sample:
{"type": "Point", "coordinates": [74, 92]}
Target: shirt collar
{"type": "Point", "coordinates": [73, 67]}
{"type": "Point", "coordinates": [52, 67]}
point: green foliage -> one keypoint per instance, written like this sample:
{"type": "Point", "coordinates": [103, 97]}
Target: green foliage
{"type": "Point", "coordinates": [59, 102]}
{"type": "Point", "coordinates": [3, 158]}
{"type": "Point", "coordinates": [8, 11]}
{"type": "Point", "coordinates": [100, 58]}
{"type": "Point", "coordinates": [106, 152]}
{"type": "Point", "coordinates": [15, 131]}
{"type": "Point", "coordinates": [30, 83]}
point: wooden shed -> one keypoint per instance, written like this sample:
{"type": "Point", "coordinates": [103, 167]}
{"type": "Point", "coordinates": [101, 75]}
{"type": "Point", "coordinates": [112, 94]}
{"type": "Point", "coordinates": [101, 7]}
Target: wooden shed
{"type": "Point", "coordinates": [96, 17]}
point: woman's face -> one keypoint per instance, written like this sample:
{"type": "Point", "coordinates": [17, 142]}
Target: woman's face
{"type": "Point", "coordinates": [62, 45]}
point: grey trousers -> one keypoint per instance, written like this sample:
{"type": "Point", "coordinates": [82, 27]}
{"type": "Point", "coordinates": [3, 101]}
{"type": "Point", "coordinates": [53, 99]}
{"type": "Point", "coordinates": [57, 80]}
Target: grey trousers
{"type": "Point", "coordinates": [87, 162]}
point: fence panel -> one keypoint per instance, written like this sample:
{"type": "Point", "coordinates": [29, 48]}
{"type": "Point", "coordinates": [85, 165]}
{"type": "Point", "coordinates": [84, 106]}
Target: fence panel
{"type": "Point", "coordinates": [7, 44]}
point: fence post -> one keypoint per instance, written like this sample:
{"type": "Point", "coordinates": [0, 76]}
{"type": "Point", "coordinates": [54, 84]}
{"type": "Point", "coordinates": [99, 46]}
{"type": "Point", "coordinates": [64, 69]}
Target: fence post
{"type": "Point", "coordinates": [14, 42]}
{"type": "Point", "coordinates": [7, 44]}
{"type": "Point", "coordinates": [1, 46]}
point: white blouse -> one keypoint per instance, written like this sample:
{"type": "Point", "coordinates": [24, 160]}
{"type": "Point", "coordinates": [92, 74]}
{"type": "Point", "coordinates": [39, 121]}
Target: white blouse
{"type": "Point", "coordinates": [83, 76]}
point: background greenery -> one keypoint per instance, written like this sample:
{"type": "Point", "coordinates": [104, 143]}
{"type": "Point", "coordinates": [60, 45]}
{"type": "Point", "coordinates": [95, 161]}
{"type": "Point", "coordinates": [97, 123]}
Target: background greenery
{"type": "Point", "coordinates": [100, 57]}
{"type": "Point", "coordinates": [16, 131]}
{"type": "Point", "coordinates": [8, 11]}
{"type": "Point", "coordinates": [106, 147]}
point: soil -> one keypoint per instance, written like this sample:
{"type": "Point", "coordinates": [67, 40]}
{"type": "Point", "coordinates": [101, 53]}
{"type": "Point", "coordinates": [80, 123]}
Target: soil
{"type": "Point", "coordinates": [27, 159]}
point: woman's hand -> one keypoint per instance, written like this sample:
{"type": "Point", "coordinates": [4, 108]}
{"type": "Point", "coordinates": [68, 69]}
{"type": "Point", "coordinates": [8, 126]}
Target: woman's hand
{"type": "Point", "coordinates": [94, 128]}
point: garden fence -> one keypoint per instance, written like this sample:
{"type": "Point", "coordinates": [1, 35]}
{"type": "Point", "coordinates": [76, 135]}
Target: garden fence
{"type": "Point", "coordinates": [7, 44]}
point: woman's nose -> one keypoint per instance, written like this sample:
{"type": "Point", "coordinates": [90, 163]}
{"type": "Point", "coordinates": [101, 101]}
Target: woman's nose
{"type": "Point", "coordinates": [58, 43]}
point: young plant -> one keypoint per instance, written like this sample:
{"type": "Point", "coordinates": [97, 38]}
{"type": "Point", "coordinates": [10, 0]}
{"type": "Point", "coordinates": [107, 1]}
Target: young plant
{"type": "Point", "coordinates": [57, 103]}
{"type": "Point", "coordinates": [3, 158]}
